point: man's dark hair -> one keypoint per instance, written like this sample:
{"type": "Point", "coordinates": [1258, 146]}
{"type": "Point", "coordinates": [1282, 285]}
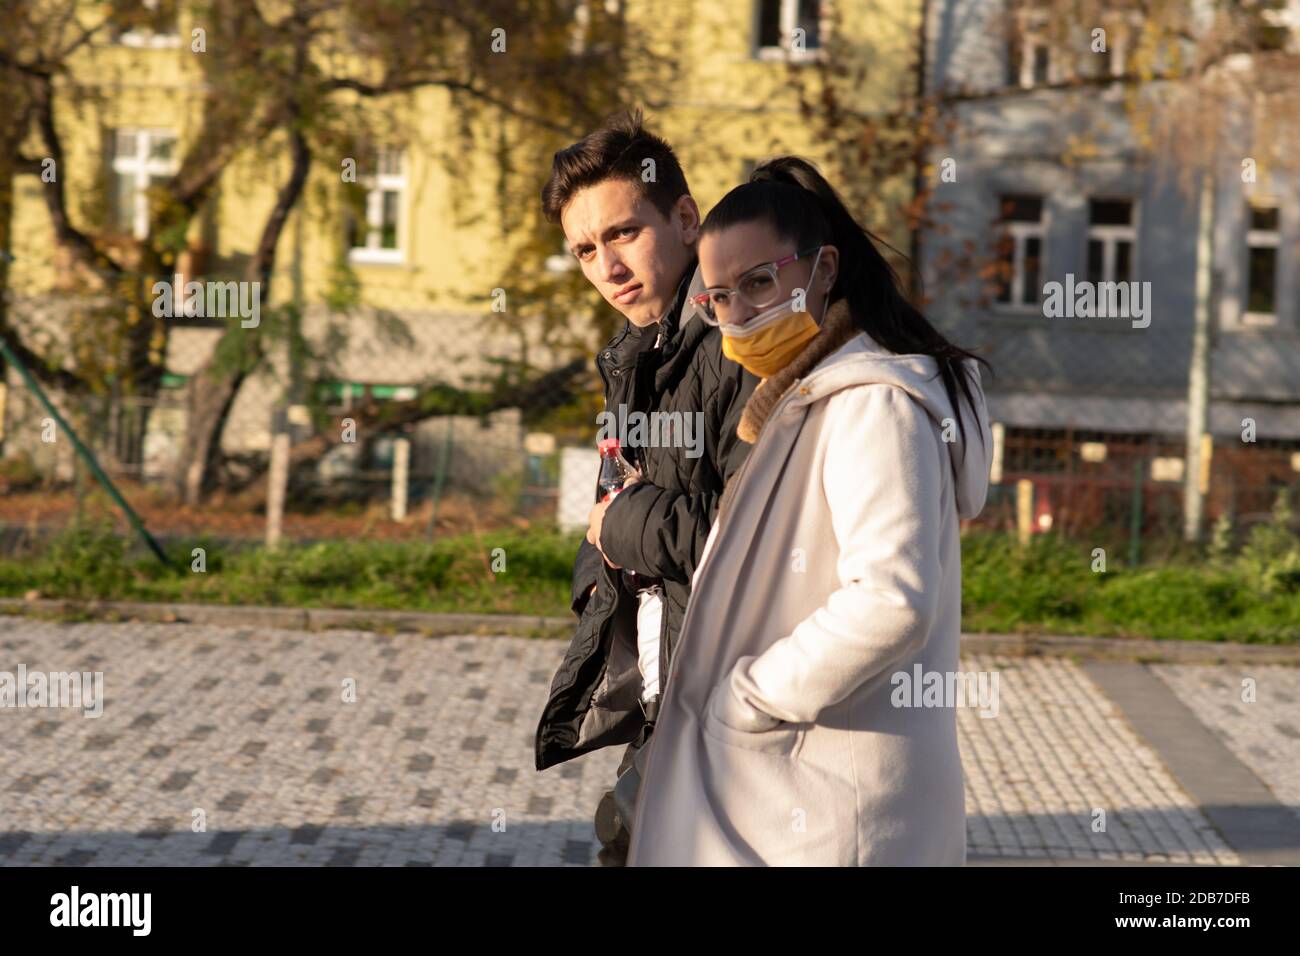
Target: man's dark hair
{"type": "Point", "coordinates": [618, 150]}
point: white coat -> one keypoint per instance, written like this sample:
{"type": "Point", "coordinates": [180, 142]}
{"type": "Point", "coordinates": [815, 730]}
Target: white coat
{"type": "Point", "coordinates": [837, 565]}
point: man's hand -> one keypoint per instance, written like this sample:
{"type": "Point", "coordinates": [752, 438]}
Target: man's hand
{"type": "Point", "coordinates": [597, 517]}
{"type": "Point", "coordinates": [594, 521]}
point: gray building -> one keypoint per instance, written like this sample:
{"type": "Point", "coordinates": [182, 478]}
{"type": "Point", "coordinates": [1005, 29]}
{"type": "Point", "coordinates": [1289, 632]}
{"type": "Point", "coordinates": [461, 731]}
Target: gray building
{"type": "Point", "coordinates": [1041, 183]}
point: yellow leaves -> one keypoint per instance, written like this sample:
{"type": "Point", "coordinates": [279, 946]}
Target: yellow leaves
{"type": "Point", "coordinates": [1079, 148]}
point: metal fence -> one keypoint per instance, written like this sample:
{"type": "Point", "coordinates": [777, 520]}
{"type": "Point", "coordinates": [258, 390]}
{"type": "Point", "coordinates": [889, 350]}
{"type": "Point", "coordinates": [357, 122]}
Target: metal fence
{"type": "Point", "coordinates": [1119, 486]}
{"type": "Point", "coordinates": [336, 394]}
{"type": "Point", "coordinates": [452, 473]}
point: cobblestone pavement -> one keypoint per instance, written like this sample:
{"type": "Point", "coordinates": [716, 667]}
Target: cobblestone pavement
{"type": "Point", "coordinates": [225, 746]}
{"type": "Point", "coordinates": [251, 729]}
{"type": "Point", "coordinates": [1255, 711]}
{"type": "Point", "coordinates": [1060, 773]}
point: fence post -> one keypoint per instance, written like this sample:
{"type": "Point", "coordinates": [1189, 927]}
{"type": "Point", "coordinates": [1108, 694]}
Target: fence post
{"type": "Point", "coordinates": [401, 476]}
{"type": "Point", "coordinates": [1207, 458]}
{"type": "Point", "coordinates": [1024, 509]}
{"type": "Point", "coordinates": [278, 479]}
{"type": "Point", "coordinates": [1135, 520]}
{"type": "Point", "coordinates": [440, 478]}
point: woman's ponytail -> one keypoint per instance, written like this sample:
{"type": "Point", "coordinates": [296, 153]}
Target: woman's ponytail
{"type": "Point", "coordinates": [794, 198]}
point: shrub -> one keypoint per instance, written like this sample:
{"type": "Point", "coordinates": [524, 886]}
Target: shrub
{"type": "Point", "coordinates": [1270, 559]}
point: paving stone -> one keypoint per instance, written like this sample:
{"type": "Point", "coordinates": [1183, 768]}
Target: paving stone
{"type": "Point", "coordinates": [232, 802]}
{"type": "Point", "coordinates": [179, 780]}
{"type": "Point", "coordinates": [241, 722]}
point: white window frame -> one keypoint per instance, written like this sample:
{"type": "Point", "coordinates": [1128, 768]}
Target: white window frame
{"type": "Point", "coordinates": [147, 39]}
{"type": "Point", "coordinates": [579, 27]}
{"type": "Point", "coordinates": [1261, 239]}
{"type": "Point", "coordinates": [376, 185]}
{"type": "Point", "coordinates": [1288, 16]}
{"type": "Point", "coordinates": [1030, 26]}
{"type": "Point", "coordinates": [144, 169]}
{"type": "Point", "coordinates": [1123, 29]}
{"type": "Point", "coordinates": [1021, 231]}
{"type": "Point", "coordinates": [1110, 237]}
{"type": "Point", "coordinates": [581, 24]}
{"type": "Point", "coordinates": [787, 21]}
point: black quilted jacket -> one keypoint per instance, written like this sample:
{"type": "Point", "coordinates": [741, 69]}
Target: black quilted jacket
{"type": "Point", "coordinates": [656, 527]}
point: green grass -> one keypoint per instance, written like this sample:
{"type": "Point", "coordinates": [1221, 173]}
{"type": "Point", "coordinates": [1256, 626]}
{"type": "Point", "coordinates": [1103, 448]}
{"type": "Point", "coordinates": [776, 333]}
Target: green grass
{"type": "Point", "coordinates": [1047, 587]}
{"type": "Point", "coordinates": [1050, 587]}
{"type": "Point", "coordinates": [451, 574]}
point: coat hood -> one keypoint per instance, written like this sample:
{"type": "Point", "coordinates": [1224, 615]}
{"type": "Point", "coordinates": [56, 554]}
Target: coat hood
{"type": "Point", "coordinates": [862, 361]}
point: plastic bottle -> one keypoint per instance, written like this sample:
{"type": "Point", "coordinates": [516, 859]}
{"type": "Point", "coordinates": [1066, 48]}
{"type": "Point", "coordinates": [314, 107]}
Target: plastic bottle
{"type": "Point", "coordinates": [614, 472]}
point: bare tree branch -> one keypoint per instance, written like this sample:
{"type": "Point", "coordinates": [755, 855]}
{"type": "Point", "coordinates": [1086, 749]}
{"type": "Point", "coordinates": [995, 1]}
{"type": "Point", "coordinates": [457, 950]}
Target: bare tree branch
{"type": "Point", "coordinates": [81, 245]}
{"type": "Point", "coordinates": [457, 86]}
{"type": "Point", "coordinates": [262, 264]}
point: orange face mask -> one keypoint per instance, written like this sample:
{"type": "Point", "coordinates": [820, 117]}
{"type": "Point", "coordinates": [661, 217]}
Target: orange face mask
{"type": "Point", "coordinates": [769, 341]}
{"type": "Point", "coordinates": [766, 350]}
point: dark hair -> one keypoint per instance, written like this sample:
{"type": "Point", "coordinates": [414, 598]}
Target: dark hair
{"type": "Point", "coordinates": [616, 151]}
{"type": "Point", "coordinates": [790, 194]}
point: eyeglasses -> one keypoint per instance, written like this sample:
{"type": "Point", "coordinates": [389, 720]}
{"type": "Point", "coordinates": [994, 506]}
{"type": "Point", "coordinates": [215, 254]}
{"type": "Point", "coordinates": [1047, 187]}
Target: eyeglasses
{"type": "Point", "coordinates": [758, 288]}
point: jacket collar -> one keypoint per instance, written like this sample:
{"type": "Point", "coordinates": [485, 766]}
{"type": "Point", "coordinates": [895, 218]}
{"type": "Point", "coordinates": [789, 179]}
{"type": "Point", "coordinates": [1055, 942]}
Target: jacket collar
{"type": "Point", "coordinates": [682, 330]}
{"type": "Point", "coordinates": [629, 342]}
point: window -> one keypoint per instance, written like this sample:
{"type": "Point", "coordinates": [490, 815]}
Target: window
{"type": "Point", "coordinates": [1111, 236]}
{"type": "Point", "coordinates": [1112, 61]}
{"type": "Point", "coordinates": [1020, 251]}
{"type": "Point", "coordinates": [581, 27]}
{"type": "Point", "coordinates": [1030, 61]}
{"type": "Point", "coordinates": [776, 23]}
{"type": "Point", "coordinates": [378, 238]}
{"type": "Point", "coordinates": [141, 158]}
{"type": "Point", "coordinates": [1261, 265]}
{"type": "Point", "coordinates": [1042, 61]}
{"type": "Point", "coordinates": [152, 23]}
{"type": "Point", "coordinates": [1277, 24]}
{"type": "Point", "coordinates": [583, 36]}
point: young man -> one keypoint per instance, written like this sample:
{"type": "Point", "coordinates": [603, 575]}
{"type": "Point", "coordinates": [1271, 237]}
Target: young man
{"type": "Point", "coordinates": [628, 216]}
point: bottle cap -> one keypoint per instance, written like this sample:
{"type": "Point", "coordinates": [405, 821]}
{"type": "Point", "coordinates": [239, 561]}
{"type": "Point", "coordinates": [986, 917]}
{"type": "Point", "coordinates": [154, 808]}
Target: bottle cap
{"type": "Point", "coordinates": [607, 445]}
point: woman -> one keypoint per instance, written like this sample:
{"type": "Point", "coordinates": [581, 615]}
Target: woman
{"type": "Point", "coordinates": [834, 563]}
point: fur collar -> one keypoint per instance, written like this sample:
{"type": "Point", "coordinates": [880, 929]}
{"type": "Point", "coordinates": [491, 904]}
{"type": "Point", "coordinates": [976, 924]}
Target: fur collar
{"type": "Point", "coordinates": [834, 333]}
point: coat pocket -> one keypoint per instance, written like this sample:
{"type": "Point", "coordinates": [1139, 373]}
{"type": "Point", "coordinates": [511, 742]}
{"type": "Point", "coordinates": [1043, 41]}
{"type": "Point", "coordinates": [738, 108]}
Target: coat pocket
{"type": "Point", "coordinates": [781, 740]}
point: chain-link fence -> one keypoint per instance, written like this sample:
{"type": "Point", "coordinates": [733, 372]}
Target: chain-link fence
{"type": "Point", "coordinates": [397, 426]}
{"type": "Point", "coordinates": [399, 420]}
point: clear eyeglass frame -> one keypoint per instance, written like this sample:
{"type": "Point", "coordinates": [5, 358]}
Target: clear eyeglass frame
{"type": "Point", "coordinates": [758, 288]}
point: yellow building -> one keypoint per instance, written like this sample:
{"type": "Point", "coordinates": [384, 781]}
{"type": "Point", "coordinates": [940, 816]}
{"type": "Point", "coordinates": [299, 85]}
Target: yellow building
{"type": "Point", "coordinates": [429, 242]}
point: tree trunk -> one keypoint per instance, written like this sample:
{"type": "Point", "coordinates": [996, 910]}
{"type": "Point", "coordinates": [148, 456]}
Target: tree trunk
{"type": "Point", "coordinates": [209, 401]}
{"type": "Point", "coordinates": [213, 392]}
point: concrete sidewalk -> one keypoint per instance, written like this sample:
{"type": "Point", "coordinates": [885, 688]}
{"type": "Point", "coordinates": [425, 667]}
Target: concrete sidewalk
{"type": "Point", "coordinates": [1193, 762]}
{"type": "Point", "coordinates": [235, 746]}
